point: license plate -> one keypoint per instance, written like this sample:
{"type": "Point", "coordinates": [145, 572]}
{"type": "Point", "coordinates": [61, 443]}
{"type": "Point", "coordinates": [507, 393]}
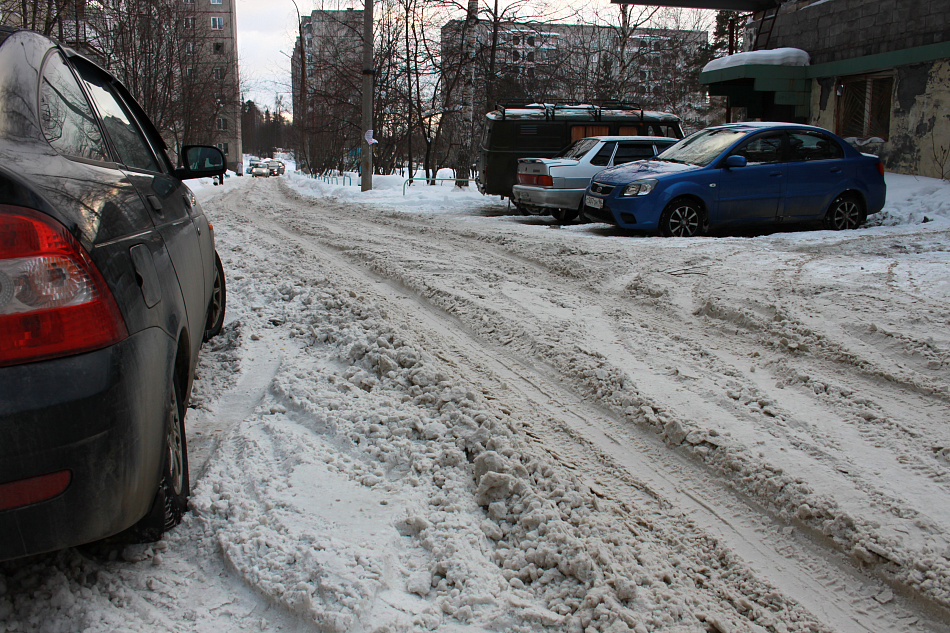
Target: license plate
{"type": "Point", "coordinates": [596, 203]}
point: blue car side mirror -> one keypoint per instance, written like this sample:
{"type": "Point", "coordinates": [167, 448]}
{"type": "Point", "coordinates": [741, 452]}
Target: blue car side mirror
{"type": "Point", "coordinates": [736, 161]}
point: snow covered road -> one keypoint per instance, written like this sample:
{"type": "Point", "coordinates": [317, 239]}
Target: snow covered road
{"type": "Point", "coordinates": [427, 414]}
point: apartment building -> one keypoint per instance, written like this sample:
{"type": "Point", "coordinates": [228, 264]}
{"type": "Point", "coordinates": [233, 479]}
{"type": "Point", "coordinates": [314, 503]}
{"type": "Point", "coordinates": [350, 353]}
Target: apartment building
{"type": "Point", "coordinates": [544, 62]}
{"type": "Point", "coordinates": [326, 75]}
{"type": "Point", "coordinates": [209, 36]}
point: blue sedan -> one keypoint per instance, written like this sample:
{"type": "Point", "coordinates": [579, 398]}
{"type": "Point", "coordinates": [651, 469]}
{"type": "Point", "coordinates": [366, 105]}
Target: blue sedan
{"type": "Point", "coordinates": [741, 173]}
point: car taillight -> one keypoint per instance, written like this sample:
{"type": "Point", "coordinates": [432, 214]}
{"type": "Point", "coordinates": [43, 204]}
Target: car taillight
{"type": "Point", "coordinates": [15, 494]}
{"type": "Point", "coordinates": [53, 300]}
{"type": "Point", "coordinates": [539, 180]}
{"type": "Point", "coordinates": [880, 167]}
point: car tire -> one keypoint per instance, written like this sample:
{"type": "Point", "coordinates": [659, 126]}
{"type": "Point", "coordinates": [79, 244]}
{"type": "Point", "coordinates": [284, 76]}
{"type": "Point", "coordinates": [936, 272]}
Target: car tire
{"type": "Point", "coordinates": [682, 218]}
{"type": "Point", "coordinates": [846, 212]}
{"type": "Point", "coordinates": [171, 498]}
{"type": "Point", "coordinates": [566, 216]}
{"type": "Point", "coordinates": [216, 306]}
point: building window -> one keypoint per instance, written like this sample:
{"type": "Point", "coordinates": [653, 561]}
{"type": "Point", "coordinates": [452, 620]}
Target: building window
{"type": "Point", "coordinates": [189, 47]}
{"type": "Point", "coordinates": [189, 72]}
{"type": "Point", "coordinates": [217, 48]}
{"type": "Point", "coordinates": [515, 55]}
{"type": "Point", "coordinates": [217, 74]}
{"type": "Point", "coordinates": [222, 124]}
{"type": "Point", "coordinates": [530, 40]}
{"type": "Point", "coordinates": [530, 56]}
{"type": "Point", "coordinates": [516, 41]}
{"type": "Point", "coordinates": [215, 1]}
{"type": "Point", "coordinates": [190, 22]}
{"type": "Point", "coordinates": [864, 106]}
{"type": "Point", "coordinates": [217, 24]}
{"type": "Point", "coordinates": [189, 1]}
{"type": "Point", "coordinates": [223, 147]}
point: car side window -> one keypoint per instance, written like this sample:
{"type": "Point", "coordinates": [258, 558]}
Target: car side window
{"type": "Point", "coordinates": [630, 151]}
{"type": "Point", "coordinates": [762, 149]}
{"type": "Point", "coordinates": [66, 118]}
{"type": "Point", "coordinates": [809, 145]}
{"type": "Point", "coordinates": [132, 147]}
{"type": "Point", "coordinates": [602, 157]}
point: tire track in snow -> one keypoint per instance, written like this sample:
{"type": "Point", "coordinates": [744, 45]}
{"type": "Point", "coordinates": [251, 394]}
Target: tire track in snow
{"type": "Point", "coordinates": [756, 527]}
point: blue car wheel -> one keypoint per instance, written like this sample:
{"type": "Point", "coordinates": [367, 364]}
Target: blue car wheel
{"type": "Point", "coordinates": [846, 212]}
{"type": "Point", "coordinates": [682, 218]}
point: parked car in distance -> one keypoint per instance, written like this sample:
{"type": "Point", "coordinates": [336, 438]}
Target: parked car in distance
{"type": "Point", "coordinates": [251, 164]}
{"type": "Point", "coordinates": [281, 168]}
{"type": "Point", "coordinates": [555, 186]}
{"type": "Point", "coordinates": [741, 173]}
{"type": "Point", "coordinates": [274, 167]}
{"type": "Point", "coordinates": [260, 170]}
{"type": "Point", "coordinates": [109, 282]}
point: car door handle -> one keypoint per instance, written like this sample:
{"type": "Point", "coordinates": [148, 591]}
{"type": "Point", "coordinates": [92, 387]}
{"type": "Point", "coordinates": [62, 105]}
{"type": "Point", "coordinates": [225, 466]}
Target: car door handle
{"type": "Point", "coordinates": [835, 170]}
{"type": "Point", "coordinates": [155, 203]}
{"type": "Point", "coordinates": [776, 174]}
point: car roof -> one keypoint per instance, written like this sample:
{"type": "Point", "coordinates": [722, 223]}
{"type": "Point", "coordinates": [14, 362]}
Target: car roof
{"type": "Point", "coordinates": [753, 126]}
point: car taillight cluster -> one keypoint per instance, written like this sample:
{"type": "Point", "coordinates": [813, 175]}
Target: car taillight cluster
{"type": "Point", "coordinates": [53, 300]}
{"type": "Point", "coordinates": [538, 180]}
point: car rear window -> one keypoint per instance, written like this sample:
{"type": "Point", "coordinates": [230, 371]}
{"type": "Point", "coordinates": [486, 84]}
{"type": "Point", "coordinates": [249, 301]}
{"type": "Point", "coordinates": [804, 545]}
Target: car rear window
{"type": "Point", "coordinates": [578, 148]}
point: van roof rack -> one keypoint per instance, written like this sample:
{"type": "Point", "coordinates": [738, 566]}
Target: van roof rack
{"type": "Point", "coordinates": [595, 107]}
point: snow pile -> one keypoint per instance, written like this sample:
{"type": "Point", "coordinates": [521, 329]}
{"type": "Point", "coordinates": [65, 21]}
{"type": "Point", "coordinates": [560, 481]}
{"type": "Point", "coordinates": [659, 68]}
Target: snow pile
{"type": "Point", "coordinates": [772, 57]}
{"type": "Point", "coordinates": [443, 196]}
{"type": "Point", "coordinates": [914, 200]}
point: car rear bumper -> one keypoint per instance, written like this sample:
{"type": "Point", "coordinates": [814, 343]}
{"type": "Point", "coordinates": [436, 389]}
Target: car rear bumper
{"type": "Point", "coordinates": [98, 417]}
{"type": "Point", "coordinates": [547, 197]}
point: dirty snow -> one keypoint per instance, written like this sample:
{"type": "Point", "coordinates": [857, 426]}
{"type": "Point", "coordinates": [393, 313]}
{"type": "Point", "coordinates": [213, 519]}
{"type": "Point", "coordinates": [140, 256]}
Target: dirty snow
{"type": "Point", "coordinates": [426, 413]}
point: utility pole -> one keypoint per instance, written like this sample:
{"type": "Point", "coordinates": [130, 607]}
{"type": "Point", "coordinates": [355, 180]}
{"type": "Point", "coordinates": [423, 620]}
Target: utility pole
{"type": "Point", "coordinates": [366, 158]}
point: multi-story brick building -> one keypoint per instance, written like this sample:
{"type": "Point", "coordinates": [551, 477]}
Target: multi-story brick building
{"type": "Point", "coordinates": [655, 68]}
{"type": "Point", "coordinates": [211, 41]}
{"type": "Point", "coordinates": [327, 87]}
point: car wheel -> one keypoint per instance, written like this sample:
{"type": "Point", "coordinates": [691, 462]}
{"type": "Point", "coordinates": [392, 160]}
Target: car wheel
{"type": "Point", "coordinates": [566, 216]}
{"type": "Point", "coordinates": [682, 218]}
{"type": "Point", "coordinates": [218, 301]}
{"type": "Point", "coordinates": [845, 212]}
{"type": "Point", "coordinates": [171, 498]}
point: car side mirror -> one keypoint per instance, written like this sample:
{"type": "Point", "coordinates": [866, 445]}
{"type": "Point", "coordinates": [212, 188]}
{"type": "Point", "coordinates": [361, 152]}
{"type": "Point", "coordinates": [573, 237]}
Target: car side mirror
{"type": "Point", "coordinates": [736, 161]}
{"type": "Point", "coordinates": [201, 161]}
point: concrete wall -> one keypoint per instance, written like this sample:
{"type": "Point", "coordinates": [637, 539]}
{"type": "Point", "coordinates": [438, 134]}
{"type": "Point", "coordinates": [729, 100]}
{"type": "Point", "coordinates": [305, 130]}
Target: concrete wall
{"type": "Point", "coordinates": [919, 140]}
{"type": "Point", "coordinates": [833, 30]}
{"type": "Point", "coordinates": [840, 30]}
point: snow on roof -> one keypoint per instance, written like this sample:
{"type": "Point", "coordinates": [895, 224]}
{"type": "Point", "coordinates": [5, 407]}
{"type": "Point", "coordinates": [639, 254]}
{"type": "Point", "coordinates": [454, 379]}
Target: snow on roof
{"type": "Point", "coordinates": [773, 57]}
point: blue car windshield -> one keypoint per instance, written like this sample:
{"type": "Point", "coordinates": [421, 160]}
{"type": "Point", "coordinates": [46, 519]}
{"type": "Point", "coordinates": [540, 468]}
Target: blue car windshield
{"type": "Point", "coordinates": [701, 148]}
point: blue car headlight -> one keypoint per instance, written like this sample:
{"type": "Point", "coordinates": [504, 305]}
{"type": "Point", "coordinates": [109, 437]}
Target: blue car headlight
{"type": "Point", "coordinates": [639, 188]}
